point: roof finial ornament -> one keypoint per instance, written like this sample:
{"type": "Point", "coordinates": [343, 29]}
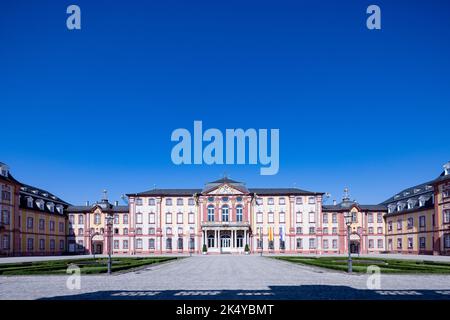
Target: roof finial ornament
{"type": "Point", "coordinates": [105, 194]}
{"type": "Point", "coordinates": [346, 195]}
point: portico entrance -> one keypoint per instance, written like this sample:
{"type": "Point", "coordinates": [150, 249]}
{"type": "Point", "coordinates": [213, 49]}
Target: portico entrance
{"type": "Point", "coordinates": [226, 239]}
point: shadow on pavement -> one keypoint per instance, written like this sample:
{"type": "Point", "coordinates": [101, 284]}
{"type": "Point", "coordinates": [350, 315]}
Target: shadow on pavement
{"type": "Point", "coordinates": [307, 292]}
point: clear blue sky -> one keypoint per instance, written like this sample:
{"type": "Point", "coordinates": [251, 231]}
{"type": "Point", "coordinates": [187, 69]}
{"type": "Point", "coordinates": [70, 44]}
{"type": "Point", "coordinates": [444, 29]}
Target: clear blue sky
{"type": "Point", "coordinates": [92, 109]}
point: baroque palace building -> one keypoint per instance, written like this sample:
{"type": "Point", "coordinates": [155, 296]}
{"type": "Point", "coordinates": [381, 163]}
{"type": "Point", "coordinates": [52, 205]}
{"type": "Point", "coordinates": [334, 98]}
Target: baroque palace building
{"type": "Point", "coordinates": [225, 216]}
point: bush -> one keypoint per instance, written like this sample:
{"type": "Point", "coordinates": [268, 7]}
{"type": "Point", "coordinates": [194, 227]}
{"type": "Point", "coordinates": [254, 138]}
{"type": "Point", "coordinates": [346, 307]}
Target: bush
{"type": "Point", "coordinates": [204, 249]}
{"type": "Point", "coordinates": [247, 249]}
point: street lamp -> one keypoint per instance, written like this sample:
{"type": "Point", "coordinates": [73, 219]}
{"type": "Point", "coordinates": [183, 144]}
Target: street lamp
{"type": "Point", "coordinates": [348, 222]}
{"type": "Point", "coordinates": [109, 221]}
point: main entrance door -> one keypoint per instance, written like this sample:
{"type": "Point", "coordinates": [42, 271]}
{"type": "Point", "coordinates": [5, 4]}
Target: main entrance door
{"type": "Point", "coordinates": [225, 243]}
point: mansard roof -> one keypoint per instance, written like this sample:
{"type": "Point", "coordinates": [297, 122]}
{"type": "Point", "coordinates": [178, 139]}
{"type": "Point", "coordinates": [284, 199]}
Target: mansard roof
{"type": "Point", "coordinates": [104, 205]}
{"type": "Point", "coordinates": [347, 204]}
{"type": "Point", "coordinates": [282, 192]}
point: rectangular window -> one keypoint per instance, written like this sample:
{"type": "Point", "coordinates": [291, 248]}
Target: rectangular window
{"type": "Point", "coordinates": [335, 244]}
{"type": "Point", "coordinates": [168, 217]}
{"type": "Point", "coordinates": [446, 216]}
{"type": "Point", "coordinates": [334, 230]}
{"type": "Point", "coordinates": [298, 230]}
{"type": "Point", "coordinates": [168, 202]}
{"type": "Point", "coordinates": [370, 217]}
{"type": "Point", "coordinates": [61, 227]}
{"type": "Point", "coordinates": [299, 200]}
{"type": "Point", "coordinates": [447, 241]}
{"type": "Point", "coordinates": [312, 243]}
{"type": "Point", "coordinates": [422, 222]}
{"type": "Point", "coordinates": [399, 243]}
{"type": "Point", "coordinates": [179, 217]}
{"type": "Point", "coordinates": [380, 217]}
{"type": "Point", "coordinates": [311, 200]}
{"type": "Point", "coordinates": [399, 224]}
{"type": "Point", "coordinates": [30, 244]}
{"type": "Point", "coordinates": [282, 217]}
{"type": "Point", "coordinates": [116, 244]}
{"type": "Point", "coordinates": [380, 230]}
{"type": "Point", "coordinates": [139, 202]}
{"type": "Point", "coordinates": [41, 244]}
{"type": "Point", "coordinates": [390, 226]}
{"type": "Point", "coordinates": [151, 202]}
{"type": "Point", "coordinates": [299, 245]}
{"type": "Point", "coordinates": [5, 217]}
{"type": "Point", "coordinates": [270, 217]}
{"type": "Point", "coordinates": [52, 245]}
{"type": "Point", "coordinates": [41, 224]}
{"type": "Point", "coordinates": [370, 230]}
{"type": "Point", "coordinates": [180, 202]}
{"type": "Point", "coordinates": [325, 244]}
{"type": "Point", "coordinates": [380, 243]}
{"type": "Point", "coordinates": [191, 202]}
{"type": "Point", "coordinates": [312, 230]}
{"type": "Point", "coordinates": [80, 219]}
{"type": "Point", "coordinates": [259, 217]}
{"type": "Point", "coordinates": [138, 243]}
{"type": "Point", "coordinates": [422, 242]}
{"type": "Point", "coordinates": [410, 222]}
{"type": "Point", "coordinates": [151, 231]}
{"type": "Point", "coordinates": [5, 243]}
{"type": "Point", "coordinates": [298, 217]}
{"type": "Point", "coordinates": [282, 201]}
{"type": "Point", "coordinates": [125, 244]}
{"type": "Point", "coordinates": [312, 217]}
{"type": "Point", "coordinates": [410, 243]}
{"type": "Point", "coordinates": [325, 230]}
{"type": "Point", "coordinates": [29, 223]}
{"type": "Point", "coordinates": [151, 244]}
{"type": "Point", "coordinates": [334, 218]}
{"type": "Point", "coordinates": [139, 218]}
{"type": "Point", "coordinates": [52, 225]}
{"type": "Point", "coordinates": [370, 243]}
{"type": "Point", "coordinates": [125, 219]}
{"type": "Point", "coordinates": [270, 201]}
{"type": "Point", "coordinates": [116, 219]}
{"type": "Point", "coordinates": [61, 245]}
{"type": "Point", "coordinates": [151, 218]}
{"type": "Point", "coordinates": [191, 218]}
{"type": "Point", "coordinates": [325, 218]}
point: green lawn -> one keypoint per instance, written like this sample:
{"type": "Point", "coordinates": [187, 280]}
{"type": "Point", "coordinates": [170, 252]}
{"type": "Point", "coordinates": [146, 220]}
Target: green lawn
{"type": "Point", "coordinates": [361, 264]}
{"type": "Point", "coordinates": [87, 266]}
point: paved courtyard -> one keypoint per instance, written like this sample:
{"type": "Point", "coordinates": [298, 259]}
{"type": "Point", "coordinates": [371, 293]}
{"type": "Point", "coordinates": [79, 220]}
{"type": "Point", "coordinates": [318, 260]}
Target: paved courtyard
{"type": "Point", "coordinates": [227, 277]}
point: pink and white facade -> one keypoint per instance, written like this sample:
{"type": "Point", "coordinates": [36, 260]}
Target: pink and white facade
{"type": "Point", "coordinates": [225, 216]}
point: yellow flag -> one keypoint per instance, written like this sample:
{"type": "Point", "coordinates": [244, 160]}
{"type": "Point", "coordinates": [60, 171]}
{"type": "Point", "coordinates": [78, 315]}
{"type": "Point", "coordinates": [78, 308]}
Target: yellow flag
{"type": "Point", "coordinates": [270, 234]}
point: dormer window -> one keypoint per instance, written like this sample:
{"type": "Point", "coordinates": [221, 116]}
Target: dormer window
{"type": "Point", "coordinates": [397, 196]}
{"type": "Point", "coordinates": [406, 193]}
{"type": "Point", "coordinates": [411, 203]}
{"type": "Point", "coordinates": [429, 188]}
{"type": "Point", "coordinates": [40, 204]}
{"type": "Point", "coordinates": [51, 206]}
{"type": "Point", "coordinates": [400, 206]}
{"type": "Point", "coordinates": [60, 209]}
{"type": "Point", "coordinates": [4, 169]}
{"type": "Point", "coordinates": [422, 201]}
{"type": "Point", "coordinates": [391, 208]}
{"type": "Point", "coordinates": [417, 190]}
{"type": "Point", "coordinates": [30, 202]}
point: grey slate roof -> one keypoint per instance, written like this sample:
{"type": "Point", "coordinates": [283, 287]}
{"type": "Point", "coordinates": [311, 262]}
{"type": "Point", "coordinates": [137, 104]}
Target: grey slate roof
{"type": "Point", "coordinates": [347, 204]}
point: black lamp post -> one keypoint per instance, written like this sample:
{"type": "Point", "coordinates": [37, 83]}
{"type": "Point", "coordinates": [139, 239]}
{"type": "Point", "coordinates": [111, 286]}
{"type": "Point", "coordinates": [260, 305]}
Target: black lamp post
{"type": "Point", "coordinates": [109, 222]}
{"type": "Point", "coordinates": [348, 222]}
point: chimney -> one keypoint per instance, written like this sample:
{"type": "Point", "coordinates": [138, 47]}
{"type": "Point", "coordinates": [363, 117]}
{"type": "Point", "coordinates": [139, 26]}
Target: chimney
{"type": "Point", "coordinates": [116, 203]}
{"type": "Point", "coordinates": [87, 203]}
{"type": "Point", "coordinates": [334, 202]}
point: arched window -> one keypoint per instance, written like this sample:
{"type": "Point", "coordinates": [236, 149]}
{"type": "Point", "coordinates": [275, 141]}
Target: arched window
{"type": "Point", "coordinates": [210, 241]}
{"type": "Point", "coordinates": [169, 244]}
{"type": "Point", "coordinates": [97, 218]}
{"type": "Point", "coordinates": [225, 214]}
{"type": "Point", "coordinates": [239, 213]}
{"type": "Point", "coordinates": [211, 213]}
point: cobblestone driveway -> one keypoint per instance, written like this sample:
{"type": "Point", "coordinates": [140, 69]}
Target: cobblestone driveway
{"type": "Point", "coordinates": [227, 277]}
